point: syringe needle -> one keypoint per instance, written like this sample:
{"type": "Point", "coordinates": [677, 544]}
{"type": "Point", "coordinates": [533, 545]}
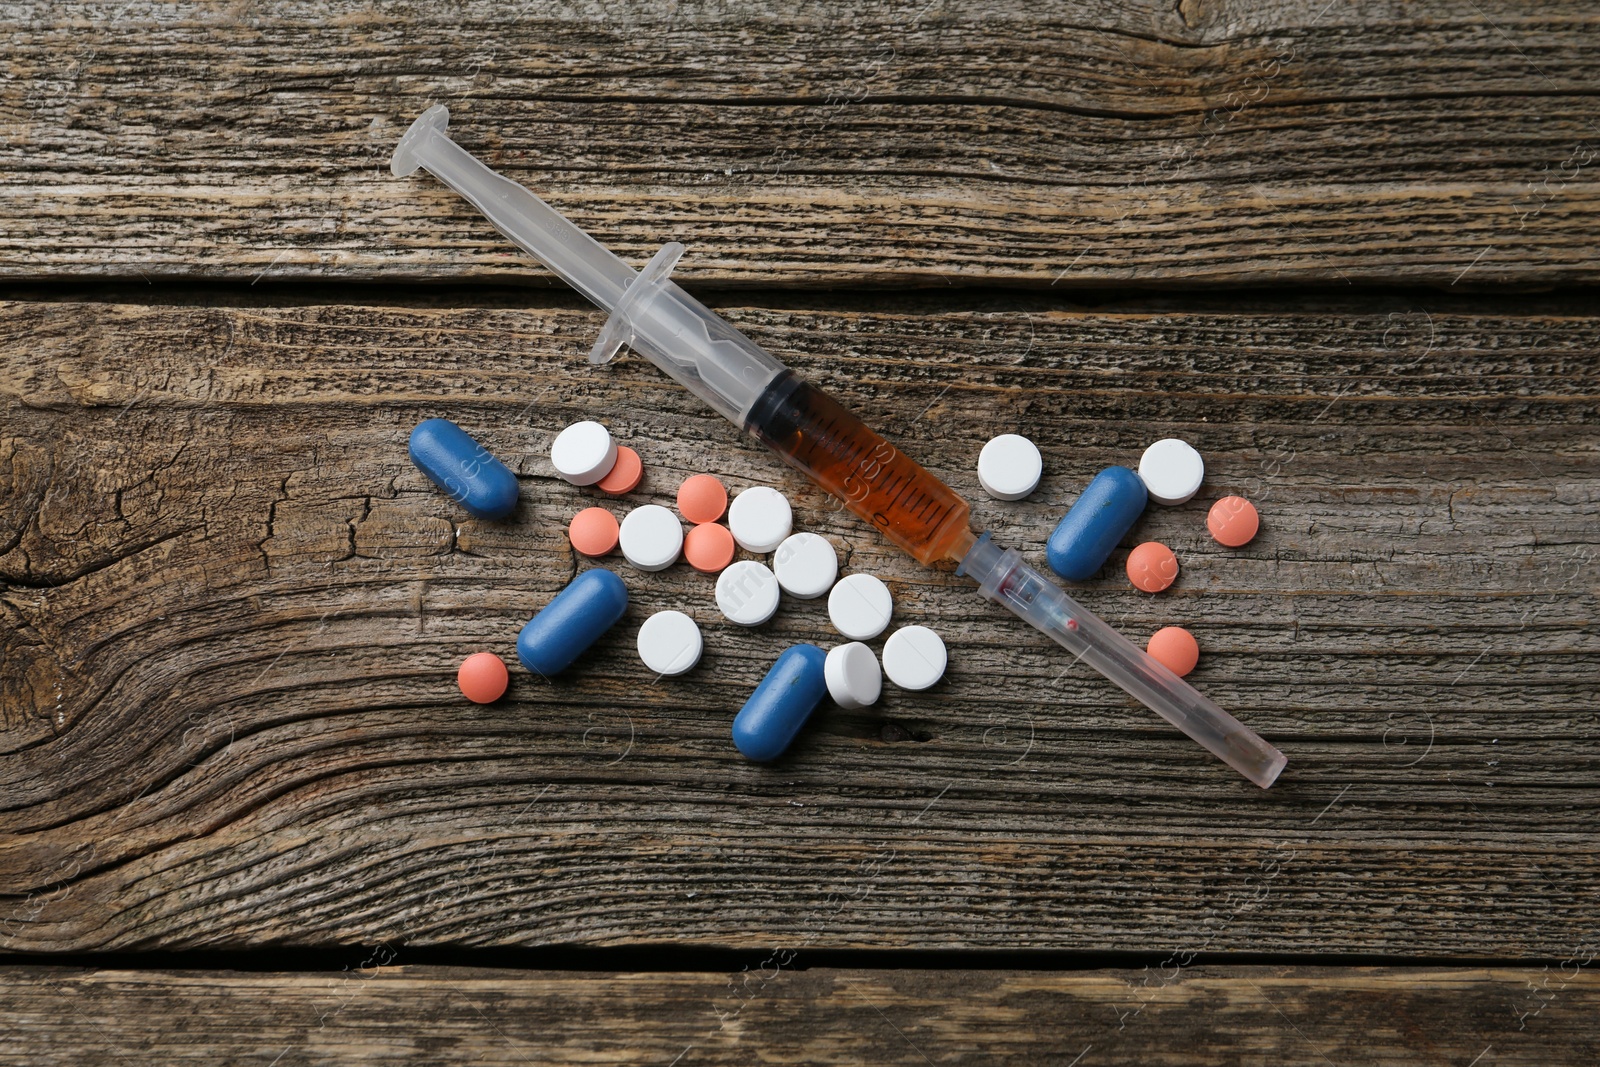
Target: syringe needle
{"type": "Point", "coordinates": [1003, 578]}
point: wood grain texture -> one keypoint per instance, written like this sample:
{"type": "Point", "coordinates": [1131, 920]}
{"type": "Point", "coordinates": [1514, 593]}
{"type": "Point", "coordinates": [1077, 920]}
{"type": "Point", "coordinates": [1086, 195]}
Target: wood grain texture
{"type": "Point", "coordinates": [372, 1013]}
{"type": "Point", "coordinates": [1208, 142]}
{"type": "Point", "coordinates": [232, 612]}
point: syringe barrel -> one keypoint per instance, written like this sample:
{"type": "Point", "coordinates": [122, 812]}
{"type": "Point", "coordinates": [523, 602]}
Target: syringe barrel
{"type": "Point", "coordinates": [819, 437]}
{"type": "Point", "coordinates": [702, 351]}
{"type": "Point", "coordinates": [1003, 578]}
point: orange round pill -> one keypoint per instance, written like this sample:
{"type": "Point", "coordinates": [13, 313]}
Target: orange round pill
{"type": "Point", "coordinates": [702, 499]}
{"type": "Point", "coordinates": [625, 473]}
{"type": "Point", "coordinates": [1175, 649]}
{"type": "Point", "coordinates": [1233, 521]}
{"type": "Point", "coordinates": [708, 547]}
{"type": "Point", "coordinates": [1152, 567]}
{"type": "Point", "coordinates": [593, 532]}
{"type": "Point", "coordinates": [483, 678]}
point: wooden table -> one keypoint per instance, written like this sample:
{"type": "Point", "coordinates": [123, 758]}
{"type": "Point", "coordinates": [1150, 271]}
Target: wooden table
{"type": "Point", "coordinates": [1349, 251]}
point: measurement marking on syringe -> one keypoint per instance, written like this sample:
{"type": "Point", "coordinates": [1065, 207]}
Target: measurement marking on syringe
{"type": "Point", "coordinates": [889, 485]}
{"type": "Point", "coordinates": [836, 445]}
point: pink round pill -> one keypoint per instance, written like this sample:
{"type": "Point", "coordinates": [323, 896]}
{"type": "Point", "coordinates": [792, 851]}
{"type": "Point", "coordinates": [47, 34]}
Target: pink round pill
{"type": "Point", "coordinates": [594, 532]}
{"type": "Point", "coordinates": [625, 473]}
{"type": "Point", "coordinates": [709, 547]}
{"type": "Point", "coordinates": [483, 678]}
{"type": "Point", "coordinates": [1152, 567]}
{"type": "Point", "coordinates": [1175, 649]}
{"type": "Point", "coordinates": [702, 499]}
{"type": "Point", "coordinates": [1233, 521]}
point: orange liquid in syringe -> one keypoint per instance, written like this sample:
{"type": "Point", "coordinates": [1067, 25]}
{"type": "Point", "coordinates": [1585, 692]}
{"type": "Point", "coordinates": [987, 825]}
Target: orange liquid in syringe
{"type": "Point", "coordinates": [819, 437]}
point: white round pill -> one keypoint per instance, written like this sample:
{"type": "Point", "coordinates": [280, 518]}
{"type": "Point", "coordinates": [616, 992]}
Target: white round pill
{"type": "Point", "coordinates": [1009, 467]}
{"type": "Point", "coordinates": [914, 657]}
{"type": "Point", "coordinates": [806, 565]}
{"type": "Point", "coordinates": [584, 453]}
{"type": "Point", "coordinates": [651, 537]}
{"type": "Point", "coordinates": [1171, 471]}
{"type": "Point", "coordinates": [854, 680]}
{"type": "Point", "coordinates": [670, 643]}
{"type": "Point", "coordinates": [860, 607]}
{"type": "Point", "coordinates": [747, 593]}
{"type": "Point", "coordinates": [760, 518]}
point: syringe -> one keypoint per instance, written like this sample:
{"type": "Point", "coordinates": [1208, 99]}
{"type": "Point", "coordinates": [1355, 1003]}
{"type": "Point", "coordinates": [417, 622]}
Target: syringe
{"type": "Point", "coordinates": [815, 434]}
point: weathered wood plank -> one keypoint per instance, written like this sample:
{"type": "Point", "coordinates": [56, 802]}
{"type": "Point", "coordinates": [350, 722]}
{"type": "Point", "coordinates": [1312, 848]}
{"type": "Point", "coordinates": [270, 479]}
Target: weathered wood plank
{"type": "Point", "coordinates": [1077, 143]}
{"type": "Point", "coordinates": [232, 612]}
{"type": "Point", "coordinates": [770, 1013]}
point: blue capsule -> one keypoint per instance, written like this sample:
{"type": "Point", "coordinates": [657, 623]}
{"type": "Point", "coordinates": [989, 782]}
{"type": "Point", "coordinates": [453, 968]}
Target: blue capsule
{"type": "Point", "coordinates": [1096, 522]}
{"type": "Point", "coordinates": [589, 606]}
{"type": "Point", "coordinates": [463, 468]}
{"type": "Point", "coordinates": [771, 719]}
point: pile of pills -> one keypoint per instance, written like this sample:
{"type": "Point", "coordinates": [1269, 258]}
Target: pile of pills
{"type": "Point", "coordinates": [759, 521]}
{"type": "Point", "coordinates": [803, 565]}
{"type": "Point", "coordinates": [1170, 472]}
